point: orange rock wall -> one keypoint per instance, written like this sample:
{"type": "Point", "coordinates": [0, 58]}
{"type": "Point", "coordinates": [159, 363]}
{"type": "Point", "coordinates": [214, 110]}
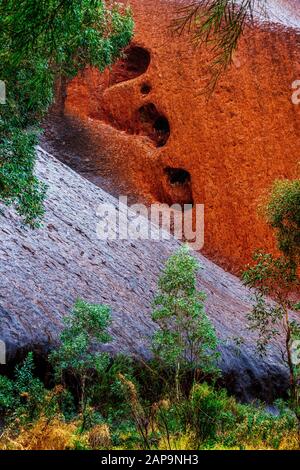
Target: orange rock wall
{"type": "Point", "coordinates": [233, 146]}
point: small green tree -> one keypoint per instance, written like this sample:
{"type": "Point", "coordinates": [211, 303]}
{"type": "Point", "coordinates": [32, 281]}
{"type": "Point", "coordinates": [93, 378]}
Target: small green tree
{"type": "Point", "coordinates": [277, 278]}
{"type": "Point", "coordinates": [186, 340]}
{"type": "Point", "coordinates": [85, 328]}
{"type": "Point", "coordinates": [283, 214]}
{"type": "Point", "coordinates": [23, 397]}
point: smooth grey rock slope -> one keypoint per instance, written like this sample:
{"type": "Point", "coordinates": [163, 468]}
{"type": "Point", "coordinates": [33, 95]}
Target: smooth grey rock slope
{"type": "Point", "coordinates": [42, 272]}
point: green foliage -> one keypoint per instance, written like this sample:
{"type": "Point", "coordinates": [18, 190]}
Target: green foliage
{"type": "Point", "coordinates": [217, 420]}
{"type": "Point", "coordinates": [7, 398]}
{"type": "Point", "coordinates": [271, 275]}
{"type": "Point", "coordinates": [121, 405]}
{"type": "Point", "coordinates": [85, 328]}
{"type": "Point", "coordinates": [219, 24]}
{"type": "Point", "coordinates": [283, 214]}
{"type": "Point", "coordinates": [208, 414]}
{"type": "Point", "coordinates": [185, 340]}
{"type": "Point", "coordinates": [29, 389]}
{"type": "Point", "coordinates": [276, 277]}
{"type": "Point", "coordinates": [41, 42]}
{"type": "Point", "coordinates": [109, 390]}
{"type": "Point", "coordinates": [207, 419]}
{"type": "Point", "coordinates": [18, 185]}
{"type": "Point", "coordinates": [59, 402]}
{"type": "Point", "coordinates": [249, 426]}
{"type": "Point", "coordinates": [23, 397]}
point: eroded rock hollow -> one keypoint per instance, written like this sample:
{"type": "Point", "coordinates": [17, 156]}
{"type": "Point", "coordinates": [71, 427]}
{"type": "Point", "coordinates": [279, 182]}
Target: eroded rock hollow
{"type": "Point", "coordinates": [152, 121]}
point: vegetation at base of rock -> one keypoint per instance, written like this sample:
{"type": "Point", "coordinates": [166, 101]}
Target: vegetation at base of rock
{"type": "Point", "coordinates": [84, 327]}
{"type": "Point", "coordinates": [277, 277]}
{"type": "Point", "coordinates": [186, 341]}
{"type": "Point", "coordinates": [41, 43]}
{"type": "Point", "coordinates": [22, 399]}
{"type": "Point", "coordinates": [94, 402]}
{"type": "Point", "coordinates": [205, 419]}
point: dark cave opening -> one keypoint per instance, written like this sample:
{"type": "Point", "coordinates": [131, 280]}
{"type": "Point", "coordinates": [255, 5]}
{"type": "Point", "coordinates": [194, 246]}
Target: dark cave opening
{"type": "Point", "coordinates": [154, 124]}
{"type": "Point", "coordinates": [176, 186]}
{"type": "Point", "coordinates": [177, 176]}
{"type": "Point", "coordinates": [146, 89]}
{"type": "Point", "coordinates": [135, 62]}
{"type": "Point", "coordinates": [162, 129]}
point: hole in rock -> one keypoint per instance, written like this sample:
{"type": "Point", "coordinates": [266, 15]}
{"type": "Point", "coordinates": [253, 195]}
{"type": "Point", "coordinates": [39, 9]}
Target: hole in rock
{"type": "Point", "coordinates": [145, 89]}
{"type": "Point", "coordinates": [178, 176]}
{"type": "Point", "coordinates": [176, 186]}
{"type": "Point", "coordinates": [135, 62]}
{"type": "Point", "coordinates": [162, 129]}
{"type": "Point", "coordinates": [154, 124]}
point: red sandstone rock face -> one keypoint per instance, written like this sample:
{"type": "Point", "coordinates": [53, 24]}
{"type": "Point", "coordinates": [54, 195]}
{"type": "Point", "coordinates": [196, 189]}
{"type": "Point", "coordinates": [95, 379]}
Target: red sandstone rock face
{"type": "Point", "coordinates": [150, 116]}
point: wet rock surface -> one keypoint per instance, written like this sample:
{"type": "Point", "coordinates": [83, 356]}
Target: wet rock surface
{"type": "Point", "coordinates": [43, 272]}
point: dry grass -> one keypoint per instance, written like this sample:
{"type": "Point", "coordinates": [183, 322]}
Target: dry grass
{"type": "Point", "coordinates": [43, 435]}
{"type": "Point", "coordinates": [56, 435]}
{"type": "Point", "coordinates": [290, 442]}
{"type": "Point", "coordinates": [99, 437]}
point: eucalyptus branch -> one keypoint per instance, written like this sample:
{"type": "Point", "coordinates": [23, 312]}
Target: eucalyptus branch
{"type": "Point", "coordinates": [220, 25]}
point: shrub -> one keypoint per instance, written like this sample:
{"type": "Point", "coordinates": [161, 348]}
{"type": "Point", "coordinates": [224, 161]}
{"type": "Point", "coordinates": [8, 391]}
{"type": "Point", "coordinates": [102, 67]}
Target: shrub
{"type": "Point", "coordinates": [282, 212]}
{"type": "Point", "coordinates": [30, 390]}
{"type": "Point", "coordinates": [22, 399]}
{"type": "Point", "coordinates": [216, 420]}
{"type": "Point", "coordinates": [85, 328]}
{"type": "Point", "coordinates": [186, 340]}
{"type": "Point", "coordinates": [7, 395]}
{"type": "Point", "coordinates": [275, 277]}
